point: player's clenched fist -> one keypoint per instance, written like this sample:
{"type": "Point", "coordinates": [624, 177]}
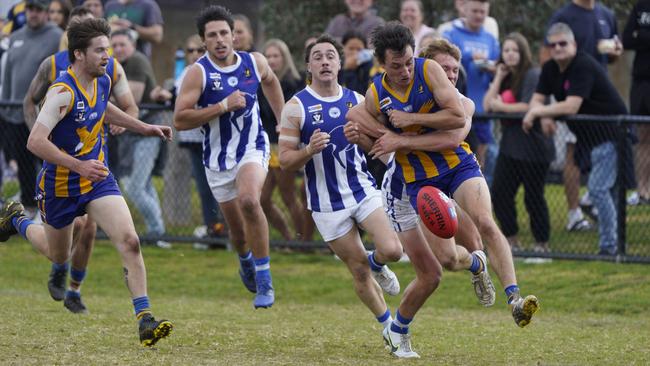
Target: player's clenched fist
{"type": "Point", "coordinates": [93, 170]}
{"type": "Point", "coordinates": [318, 141]}
{"type": "Point", "coordinates": [235, 101]}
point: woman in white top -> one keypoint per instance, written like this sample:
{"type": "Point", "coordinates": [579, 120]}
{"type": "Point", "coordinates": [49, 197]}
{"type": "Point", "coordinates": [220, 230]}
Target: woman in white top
{"type": "Point", "coordinates": [411, 15]}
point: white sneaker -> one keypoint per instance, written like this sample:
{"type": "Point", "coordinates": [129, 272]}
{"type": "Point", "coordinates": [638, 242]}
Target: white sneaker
{"type": "Point", "coordinates": [483, 286]}
{"type": "Point", "coordinates": [399, 344]}
{"type": "Point", "coordinates": [387, 280]}
{"type": "Point", "coordinates": [163, 244]}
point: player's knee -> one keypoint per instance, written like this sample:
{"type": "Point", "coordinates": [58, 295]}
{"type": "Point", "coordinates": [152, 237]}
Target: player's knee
{"type": "Point", "coordinates": [79, 223]}
{"type": "Point", "coordinates": [131, 243]}
{"type": "Point", "coordinates": [449, 261]}
{"type": "Point", "coordinates": [249, 203]}
{"type": "Point", "coordinates": [431, 279]}
{"type": "Point", "coordinates": [391, 251]}
{"type": "Point", "coordinates": [487, 226]}
{"type": "Point", "coordinates": [360, 272]}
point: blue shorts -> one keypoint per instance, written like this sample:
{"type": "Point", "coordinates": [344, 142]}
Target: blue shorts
{"type": "Point", "coordinates": [60, 212]}
{"type": "Point", "coordinates": [448, 182]}
{"type": "Point", "coordinates": [483, 131]}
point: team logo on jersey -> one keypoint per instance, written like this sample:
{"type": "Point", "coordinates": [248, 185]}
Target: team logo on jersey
{"type": "Point", "coordinates": [316, 118]}
{"type": "Point", "coordinates": [81, 115]}
{"type": "Point", "coordinates": [103, 97]}
{"type": "Point", "coordinates": [385, 104]}
{"type": "Point", "coordinates": [315, 108]}
{"type": "Point", "coordinates": [247, 73]}
{"type": "Point", "coordinates": [334, 112]}
{"type": "Point", "coordinates": [232, 81]}
{"type": "Point", "coordinates": [349, 105]}
{"type": "Point", "coordinates": [420, 89]}
{"type": "Point", "coordinates": [80, 104]}
{"type": "Point", "coordinates": [216, 81]}
{"type": "Point", "coordinates": [408, 108]}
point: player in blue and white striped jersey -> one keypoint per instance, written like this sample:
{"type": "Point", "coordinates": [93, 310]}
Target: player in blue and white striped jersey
{"type": "Point", "coordinates": [340, 190]}
{"type": "Point", "coordinates": [219, 94]}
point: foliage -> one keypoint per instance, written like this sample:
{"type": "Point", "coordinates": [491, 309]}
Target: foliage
{"type": "Point", "coordinates": [294, 21]}
{"type": "Point", "coordinates": [592, 314]}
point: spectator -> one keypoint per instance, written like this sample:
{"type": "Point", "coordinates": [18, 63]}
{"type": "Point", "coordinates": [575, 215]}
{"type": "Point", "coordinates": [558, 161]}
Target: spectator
{"type": "Point", "coordinates": [479, 52]}
{"type": "Point", "coordinates": [357, 62]}
{"type": "Point", "coordinates": [579, 85]}
{"type": "Point", "coordinates": [142, 16]}
{"type": "Point", "coordinates": [491, 26]}
{"type": "Point", "coordinates": [524, 158]}
{"type": "Point", "coordinates": [137, 153]}
{"type": "Point", "coordinates": [636, 36]}
{"type": "Point", "coordinates": [192, 141]}
{"type": "Point", "coordinates": [280, 61]}
{"type": "Point", "coordinates": [411, 15]}
{"type": "Point", "coordinates": [28, 47]}
{"type": "Point", "coordinates": [243, 33]}
{"type": "Point", "coordinates": [590, 23]}
{"type": "Point", "coordinates": [359, 17]}
{"type": "Point", "coordinates": [95, 6]}
{"type": "Point", "coordinates": [59, 12]}
{"type": "Point", "coordinates": [77, 12]}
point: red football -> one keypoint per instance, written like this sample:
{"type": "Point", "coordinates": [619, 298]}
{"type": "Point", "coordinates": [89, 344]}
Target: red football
{"type": "Point", "coordinates": [437, 212]}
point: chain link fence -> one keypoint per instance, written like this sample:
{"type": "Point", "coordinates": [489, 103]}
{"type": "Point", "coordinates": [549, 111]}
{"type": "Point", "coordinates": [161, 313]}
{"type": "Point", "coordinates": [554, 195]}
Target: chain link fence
{"type": "Point", "coordinates": [168, 204]}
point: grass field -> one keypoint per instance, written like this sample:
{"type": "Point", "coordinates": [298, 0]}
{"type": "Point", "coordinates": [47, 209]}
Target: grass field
{"type": "Point", "coordinates": [592, 314]}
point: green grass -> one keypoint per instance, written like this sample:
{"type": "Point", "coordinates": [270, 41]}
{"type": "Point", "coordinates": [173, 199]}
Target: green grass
{"type": "Point", "coordinates": [592, 314]}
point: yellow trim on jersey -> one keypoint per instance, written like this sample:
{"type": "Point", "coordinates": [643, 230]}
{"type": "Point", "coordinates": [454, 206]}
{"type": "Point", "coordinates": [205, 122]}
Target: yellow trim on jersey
{"type": "Point", "coordinates": [71, 93]}
{"type": "Point", "coordinates": [466, 147]}
{"type": "Point", "coordinates": [91, 102]}
{"type": "Point", "coordinates": [407, 169]}
{"type": "Point", "coordinates": [41, 183]}
{"type": "Point", "coordinates": [114, 78]}
{"type": "Point", "coordinates": [373, 88]}
{"type": "Point", "coordinates": [403, 98]}
{"type": "Point", "coordinates": [53, 62]}
{"type": "Point", "coordinates": [451, 158]}
{"type": "Point", "coordinates": [429, 166]}
{"type": "Point", "coordinates": [425, 74]}
{"type": "Point", "coordinates": [61, 180]}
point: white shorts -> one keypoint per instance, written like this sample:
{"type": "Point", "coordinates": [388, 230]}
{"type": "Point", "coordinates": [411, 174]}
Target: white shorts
{"type": "Point", "coordinates": [400, 212]}
{"type": "Point", "coordinates": [222, 182]}
{"type": "Point", "coordinates": [333, 225]}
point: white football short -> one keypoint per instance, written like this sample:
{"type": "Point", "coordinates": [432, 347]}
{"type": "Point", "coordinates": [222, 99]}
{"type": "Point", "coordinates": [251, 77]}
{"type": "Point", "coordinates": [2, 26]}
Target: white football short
{"type": "Point", "coordinates": [333, 225]}
{"type": "Point", "coordinates": [222, 183]}
{"type": "Point", "coordinates": [399, 211]}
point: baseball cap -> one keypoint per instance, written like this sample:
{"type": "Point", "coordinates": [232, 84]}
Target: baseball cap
{"type": "Point", "coordinates": [42, 4]}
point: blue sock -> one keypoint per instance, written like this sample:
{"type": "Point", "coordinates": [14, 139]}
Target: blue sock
{"type": "Point", "coordinates": [400, 324]}
{"type": "Point", "coordinates": [76, 278]}
{"type": "Point", "coordinates": [246, 260]}
{"type": "Point", "coordinates": [60, 267]}
{"type": "Point", "coordinates": [510, 291]}
{"type": "Point", "coordinates": [382, 319]}
{"type": "Point", "coordinates": [141, 306]}
{"type": "Point", "coordinates": [21, 223]}
{"type": "Point", "coordinates": [375, 265]}
{"type": "Point", "coordinates": [263, 268]}
{"type": "Point", "coordinates": [475, 267]}
{"type": "Point", "coordinates": [72, 294]}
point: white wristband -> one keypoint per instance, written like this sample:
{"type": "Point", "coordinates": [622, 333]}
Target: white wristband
{"type": "Point", "coordinates": [224, 105]}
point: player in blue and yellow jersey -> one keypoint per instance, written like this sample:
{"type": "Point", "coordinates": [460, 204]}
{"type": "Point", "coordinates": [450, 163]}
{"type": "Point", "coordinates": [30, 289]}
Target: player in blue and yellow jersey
{"type": "Point", "coordinates": [223, 85]}
{"type": "Point", "coordinates": [68, 136]}
{"type": "Point", "coordinates": [85, 228]}
{"type": "Point", "coordinates": [397, 99]}
{"type": "Point", "coordinates": [341, 192]}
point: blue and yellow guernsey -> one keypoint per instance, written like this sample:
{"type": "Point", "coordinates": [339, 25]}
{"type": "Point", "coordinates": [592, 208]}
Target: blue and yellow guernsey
{"type": "Point", "coordinates": [79, 134]}
{"type": "Point", "coordinates": [416, 165]}
{"type": "Point", "coordinates": [60, 63]}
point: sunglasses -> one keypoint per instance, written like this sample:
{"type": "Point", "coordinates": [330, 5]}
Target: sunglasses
{"type": "Point", "coordinates": [192, 50]}
{"type": "Point", "coordinates": [562, 44]}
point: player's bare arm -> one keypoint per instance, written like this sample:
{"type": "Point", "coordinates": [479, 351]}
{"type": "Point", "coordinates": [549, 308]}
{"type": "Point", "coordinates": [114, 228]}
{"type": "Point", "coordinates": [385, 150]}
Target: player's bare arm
{"type": "Point", "coordinates": [123, 96]}
{"type": "Point", "coordinates": [186, 116]}
{"type": "Point", "coordinates": [36, 92]}
{"type": "Point", "coordinates": [366, 115]}
{"type": "Point", "coordinates": [120, 118]}
{"type": "Point", "coordinates": [439, 140]}
{"type": "Point", "coordinates": [270, 85]}
{"type": "Point", "coordinates": [292, 157]}
{"type": "Point", "coordinates": [449, 117]}
{"type": "Point", "coordinates": [57, 104]}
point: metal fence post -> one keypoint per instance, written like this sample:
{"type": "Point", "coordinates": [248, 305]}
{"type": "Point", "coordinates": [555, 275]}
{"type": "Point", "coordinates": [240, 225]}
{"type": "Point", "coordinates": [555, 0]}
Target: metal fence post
{"type": "Point", "coordinates": [621, 202]}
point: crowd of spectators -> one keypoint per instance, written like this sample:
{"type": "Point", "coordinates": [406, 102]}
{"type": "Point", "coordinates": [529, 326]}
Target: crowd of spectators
{"type": "Point", "coordinates": [500, 77]}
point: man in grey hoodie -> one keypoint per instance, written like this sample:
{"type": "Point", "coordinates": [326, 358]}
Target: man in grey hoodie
{"type": "Point", "coordinates": [28, 47]}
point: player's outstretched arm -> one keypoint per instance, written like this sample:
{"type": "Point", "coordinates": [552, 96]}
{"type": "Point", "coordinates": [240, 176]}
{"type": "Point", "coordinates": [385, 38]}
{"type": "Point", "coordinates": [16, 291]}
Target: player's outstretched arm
{"type": "Point", "coordinates": [57, 104]}
{"type": "Point", "coordinates": [439, 140]}
{"type": "Point", "coordinates": [120, 118]}
{"type": "Point", "coordinates": [292, 156]}
{"type": "Point", "coordinates": [449, 117]}
{"type": "Point", "coordinates": [186, 116]}
{"type": "Point", "coordinates": [37, 90]}
{"type": "Point", "coordinates": [270, 85]}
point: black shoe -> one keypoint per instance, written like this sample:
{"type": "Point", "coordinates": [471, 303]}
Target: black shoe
{"type": "Point", "coordinates": [151, 330]}
{"type": "Point", "coordinates": [56, 284]}
{"type": "Point", "coordinates": [75, 305]}
{"type": "Point", "coordinates": [9, 211]}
